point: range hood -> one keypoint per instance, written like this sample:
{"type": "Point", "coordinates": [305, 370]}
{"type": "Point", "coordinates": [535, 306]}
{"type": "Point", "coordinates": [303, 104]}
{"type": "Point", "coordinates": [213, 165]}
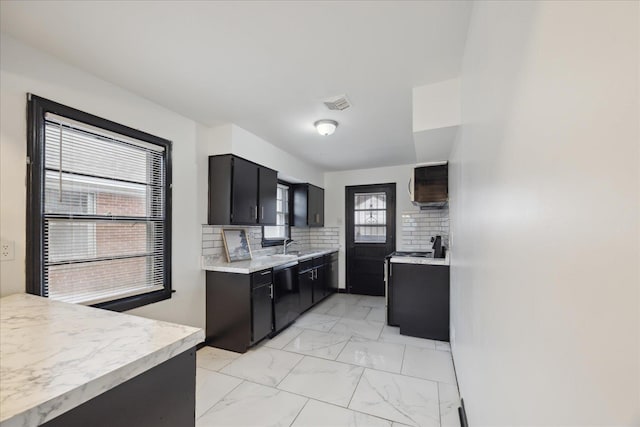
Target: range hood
{"type": "Point", "coordinates": [429, 186]}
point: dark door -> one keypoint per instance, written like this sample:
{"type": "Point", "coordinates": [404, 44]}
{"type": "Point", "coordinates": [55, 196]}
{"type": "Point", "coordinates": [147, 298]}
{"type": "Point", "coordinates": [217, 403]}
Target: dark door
{"type": "Point", "coordinates": [370, 235]}
{"type": "Point", "coordinates": [261, 312]}
{"type": "Point", "coordinates": [244, 192]}
{"type": "Point", "coordinates": [267, 196]}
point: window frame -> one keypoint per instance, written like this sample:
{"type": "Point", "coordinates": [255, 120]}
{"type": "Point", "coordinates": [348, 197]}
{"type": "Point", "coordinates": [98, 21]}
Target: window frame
{"type": "Point", "coordinates": [37, 108]}
{"type": "Point", "coordinates": [280, 242]}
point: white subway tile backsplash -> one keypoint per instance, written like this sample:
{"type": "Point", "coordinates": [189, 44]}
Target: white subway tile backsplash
{"type": "Point", "coordinates": [321, 238]}
{"type": "Point", "coordinates": [419, 226]}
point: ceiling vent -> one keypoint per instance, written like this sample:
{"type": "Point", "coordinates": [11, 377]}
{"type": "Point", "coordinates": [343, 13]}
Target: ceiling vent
{"type": "Point", "coordinates": [338, 103]}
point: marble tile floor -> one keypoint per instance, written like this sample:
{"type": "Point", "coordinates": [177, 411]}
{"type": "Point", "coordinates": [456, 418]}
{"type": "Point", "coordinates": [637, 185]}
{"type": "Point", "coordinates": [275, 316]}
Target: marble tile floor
{"type": "Point", "coordinates": [338, 365]}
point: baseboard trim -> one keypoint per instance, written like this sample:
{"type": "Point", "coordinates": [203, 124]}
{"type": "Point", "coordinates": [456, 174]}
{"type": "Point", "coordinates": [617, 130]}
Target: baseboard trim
{"type": "Point", "coordinates": [462, 413]}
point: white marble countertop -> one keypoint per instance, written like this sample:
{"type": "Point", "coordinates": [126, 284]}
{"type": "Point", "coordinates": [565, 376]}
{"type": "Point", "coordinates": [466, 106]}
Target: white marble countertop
{"type": "Point", "coordinates": [55, 356]}
{"type": "Point", "coordinates": [420, 260]}
{"type": "Point", "coordinates": [261, 263]}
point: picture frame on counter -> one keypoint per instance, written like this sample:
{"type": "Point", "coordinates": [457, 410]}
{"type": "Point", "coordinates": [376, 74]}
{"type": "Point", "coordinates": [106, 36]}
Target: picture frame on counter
{"type": "Point", "coordinates": [236, 244]}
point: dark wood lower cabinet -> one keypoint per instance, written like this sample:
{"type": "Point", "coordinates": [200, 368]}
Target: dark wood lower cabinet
{"type": "Point", "coordinates": [420, 300]}
{"type": "Point", "coordinates": [163, 396]}
{"type": "Point", "coordinates": [242, 309]}
{"type": "Point", "coordinates": [332, 276]}
{"type": "Point", "coordinates": [305, 283]}
{"type": "Point", "coordinates": [239, 309]}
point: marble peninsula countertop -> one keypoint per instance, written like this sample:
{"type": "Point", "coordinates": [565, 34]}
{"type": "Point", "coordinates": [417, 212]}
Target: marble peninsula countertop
{"type": "Point", "coordinates": [420, 260]}
{"type": "Point", "coordinates": [55, 356]}
{"type": "Point", "coordinates": [211, 263]}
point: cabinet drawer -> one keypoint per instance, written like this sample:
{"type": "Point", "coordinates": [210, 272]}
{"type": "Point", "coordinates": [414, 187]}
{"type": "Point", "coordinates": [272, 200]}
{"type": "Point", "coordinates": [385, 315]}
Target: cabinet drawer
{"type": "Point", "coordinates": [261, 278]}
{"type": "Point", "coordinates": [305, 265]}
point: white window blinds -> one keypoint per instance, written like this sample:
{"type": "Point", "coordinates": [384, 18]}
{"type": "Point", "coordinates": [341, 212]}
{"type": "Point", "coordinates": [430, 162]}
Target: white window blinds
{"type": "Point", "coordinates": [103, 213]}
{"type": "Point", "coordinates": [280, 230]}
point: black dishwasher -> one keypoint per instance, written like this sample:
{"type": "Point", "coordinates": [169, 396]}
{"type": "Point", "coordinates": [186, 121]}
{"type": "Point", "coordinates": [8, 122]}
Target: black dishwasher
{"type": "Point", "coordinates": [286, 295]}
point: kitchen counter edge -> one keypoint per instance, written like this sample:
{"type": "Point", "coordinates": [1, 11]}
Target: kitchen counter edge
{"type": "Point", "coordinates": [38, 390]}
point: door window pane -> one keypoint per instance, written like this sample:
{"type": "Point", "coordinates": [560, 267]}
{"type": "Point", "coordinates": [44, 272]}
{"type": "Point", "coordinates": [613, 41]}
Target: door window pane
{"type": "Point", "coordinates": [370, 217]}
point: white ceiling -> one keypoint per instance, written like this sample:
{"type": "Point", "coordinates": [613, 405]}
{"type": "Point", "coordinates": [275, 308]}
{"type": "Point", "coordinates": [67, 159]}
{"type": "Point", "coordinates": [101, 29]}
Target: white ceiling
{"type": "Point", "coordinates": [265, 66]}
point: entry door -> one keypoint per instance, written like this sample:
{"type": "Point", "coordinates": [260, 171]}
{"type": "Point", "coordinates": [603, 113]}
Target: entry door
{"type": "Point", "coordinates": [370, 235]}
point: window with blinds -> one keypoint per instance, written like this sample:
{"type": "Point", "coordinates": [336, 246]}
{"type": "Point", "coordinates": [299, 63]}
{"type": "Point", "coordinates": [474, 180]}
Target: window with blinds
{"type": "Point", "coordinates": [104, 218]}
{"type": "Point", "coordinates": [279, 232]}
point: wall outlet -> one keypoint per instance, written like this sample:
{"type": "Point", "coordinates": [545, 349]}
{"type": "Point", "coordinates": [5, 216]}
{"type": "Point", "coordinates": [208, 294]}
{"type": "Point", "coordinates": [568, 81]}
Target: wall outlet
{"type": "Point", "coordinates": [7, 250]}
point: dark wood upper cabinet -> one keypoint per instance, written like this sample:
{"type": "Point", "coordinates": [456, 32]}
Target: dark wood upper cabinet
{"type": "Point", "coordinates": [244, 184]}
{"type": "Point", "coordinates": [241, 192]}
{"type": "Point", "coordinates": [267, 191]}
{"type": "Point", "coordinates": [308, 206]}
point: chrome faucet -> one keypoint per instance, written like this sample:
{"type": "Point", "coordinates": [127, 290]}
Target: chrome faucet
{"type": "Point", "coordinates": [287, 243]}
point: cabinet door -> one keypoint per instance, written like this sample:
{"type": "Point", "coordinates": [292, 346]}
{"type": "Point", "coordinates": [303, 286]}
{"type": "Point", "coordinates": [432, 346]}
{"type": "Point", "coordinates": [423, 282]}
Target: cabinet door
{"type": "Point", "coordinates": [244, 192]}
{"type": "Point", "coordinates": [320, 207]}
{"type": "Point", "coordinates": [312, 206]}
{"type": "Point", "coordinates": [267, 191]}
{"type": "Point", "coordinates": [261, 312]}
{"type": "Point", "coordinates": [305, 282]}
{"type": "Point", "coordinates": [315, 203]}
{"type": "Point", "coordinates": [332, 276]}
{"type": "Point", "coordinates": [319, 284]}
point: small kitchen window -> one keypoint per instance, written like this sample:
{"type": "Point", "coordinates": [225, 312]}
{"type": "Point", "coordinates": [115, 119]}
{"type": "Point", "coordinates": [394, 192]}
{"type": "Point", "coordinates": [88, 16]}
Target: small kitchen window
{"type": "Point", "coordinates": [99, 210]}
{"type": "Point", "coordinates": [276, 234]}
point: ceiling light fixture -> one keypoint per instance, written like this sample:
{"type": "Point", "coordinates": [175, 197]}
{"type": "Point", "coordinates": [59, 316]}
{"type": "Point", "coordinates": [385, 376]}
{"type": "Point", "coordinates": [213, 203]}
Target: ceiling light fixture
{"type": "Point", "coordinates": [326, 127]}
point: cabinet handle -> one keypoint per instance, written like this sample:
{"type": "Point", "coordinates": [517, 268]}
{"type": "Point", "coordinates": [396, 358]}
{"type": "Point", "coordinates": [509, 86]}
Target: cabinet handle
{"type": "Point", "coordinates": [256, 213]}
{"type": "Point", "coordinates": [271, 291]}
{"type": "Point", "coordinates": [264, 273]}
{"type": "Point", "coordinates": [317, 218]}
{"type": "Point", "coordinates": [311, 274]}
{"type": "Point", "coordinates": [262, 212]}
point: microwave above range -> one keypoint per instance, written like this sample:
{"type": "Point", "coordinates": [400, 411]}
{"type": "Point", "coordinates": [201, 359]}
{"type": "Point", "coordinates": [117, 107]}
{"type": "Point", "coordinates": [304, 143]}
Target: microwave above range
{"type": "Point", "coordinates": [429, 186]}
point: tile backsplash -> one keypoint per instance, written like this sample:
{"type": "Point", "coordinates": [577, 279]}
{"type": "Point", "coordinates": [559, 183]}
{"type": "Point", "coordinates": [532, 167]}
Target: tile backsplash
{"type": "Point", "coordinates": [419, 226]}
{"type": "Point", "coordinates": [321, 238]}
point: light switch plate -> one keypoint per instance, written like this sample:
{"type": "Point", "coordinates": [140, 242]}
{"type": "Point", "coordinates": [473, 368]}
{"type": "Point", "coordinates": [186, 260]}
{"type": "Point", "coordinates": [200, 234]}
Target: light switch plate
{"type": "Point", "coordinates": [7, 250]}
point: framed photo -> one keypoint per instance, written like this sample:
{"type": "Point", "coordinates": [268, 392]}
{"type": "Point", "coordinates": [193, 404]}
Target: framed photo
{"type": "Point", "coordinates": [236, 244]}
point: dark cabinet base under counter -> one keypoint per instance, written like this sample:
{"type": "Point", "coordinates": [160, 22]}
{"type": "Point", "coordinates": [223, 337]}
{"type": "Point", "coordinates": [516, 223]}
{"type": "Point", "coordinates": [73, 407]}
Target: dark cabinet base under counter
{"type": "Point", "coordinates": [239, 309]}
{"type": "Point", "coordinates": [93, 367]}
{"type": "Point", "coordinates": [418, 296]}
{"type": "Point", "coordinates": [143, 401]}
{"type": "Point", "coordinates": [248, 301]}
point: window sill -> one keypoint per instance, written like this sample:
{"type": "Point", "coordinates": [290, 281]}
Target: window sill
{"type": "Point", "coordinates": [135, 301]}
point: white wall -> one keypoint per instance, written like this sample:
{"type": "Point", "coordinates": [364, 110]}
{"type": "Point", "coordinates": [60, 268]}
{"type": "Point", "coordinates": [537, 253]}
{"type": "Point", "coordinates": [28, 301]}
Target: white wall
{"type": "Point", "coordinates": [334, 198]}
{"type": "Point", "coordinates": [254, 148]}
{"type": "Point", "coordinates": [545, 198]}
{"type": "Point", "coordinates": [436, 105]}
{"type": "Point", "coordinates": [26, 70]}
